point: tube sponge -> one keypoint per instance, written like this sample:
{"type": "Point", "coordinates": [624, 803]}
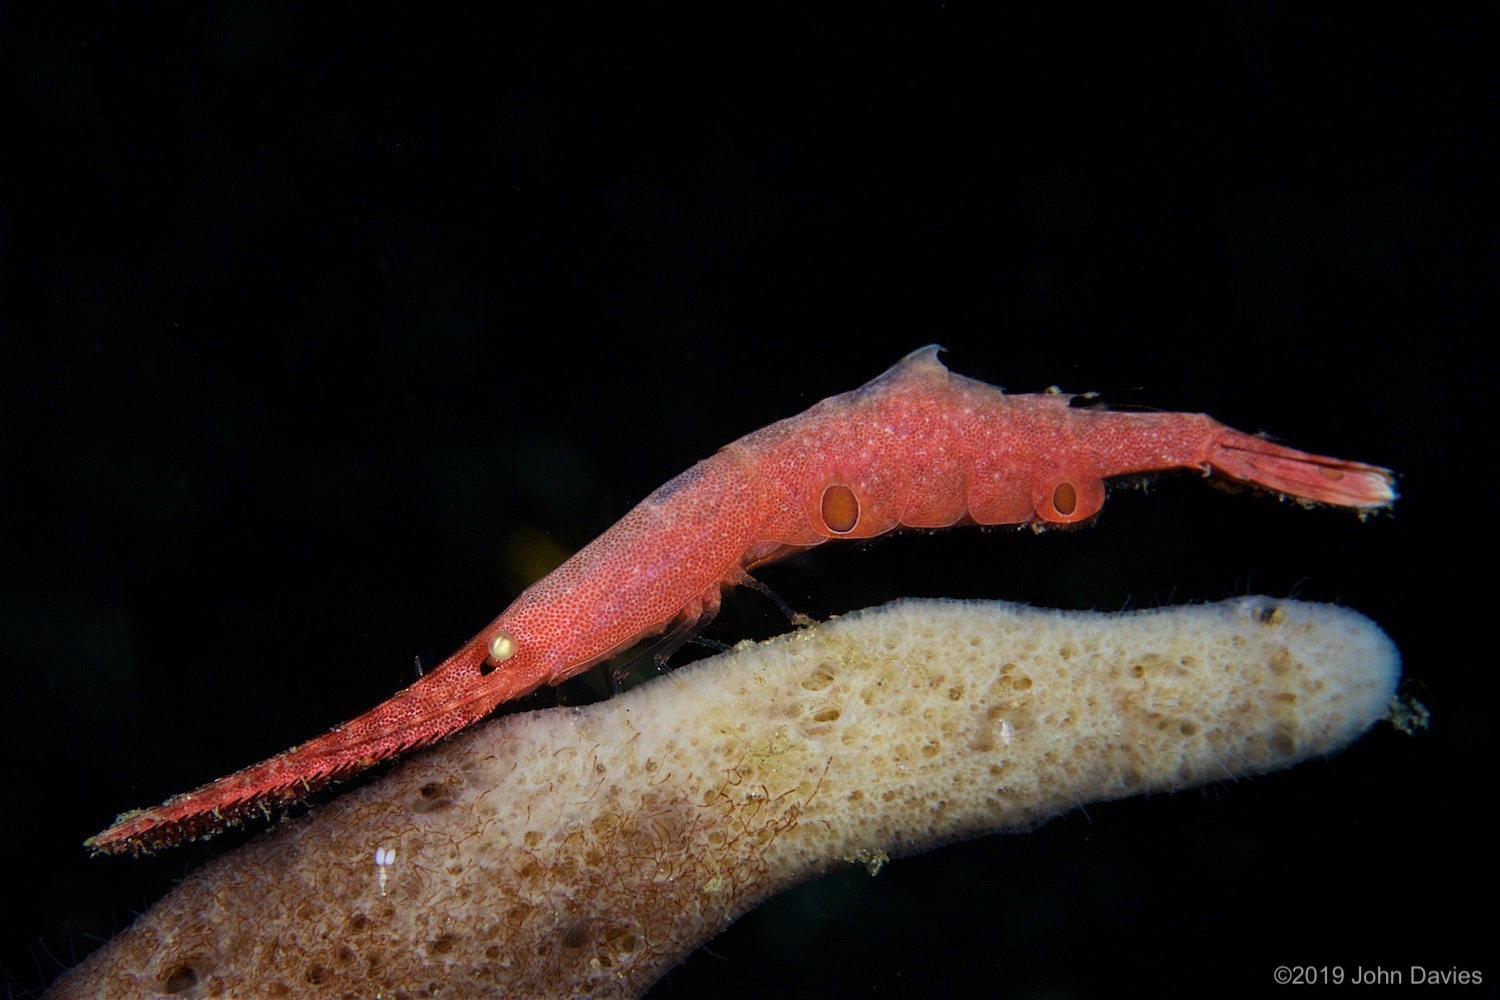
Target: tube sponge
{"type": "Point", "coordinates": [584, 852]}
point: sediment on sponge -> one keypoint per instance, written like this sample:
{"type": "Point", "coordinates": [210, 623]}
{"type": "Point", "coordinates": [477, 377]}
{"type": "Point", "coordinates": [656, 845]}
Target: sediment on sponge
{"type": "Point", "coordinates": [587, 851]}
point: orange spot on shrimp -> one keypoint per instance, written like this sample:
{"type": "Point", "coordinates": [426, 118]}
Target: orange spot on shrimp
{"type": "Point", "coordinates": [1065, 499]}
{"type": "Point", "coordinates": [839, 509]}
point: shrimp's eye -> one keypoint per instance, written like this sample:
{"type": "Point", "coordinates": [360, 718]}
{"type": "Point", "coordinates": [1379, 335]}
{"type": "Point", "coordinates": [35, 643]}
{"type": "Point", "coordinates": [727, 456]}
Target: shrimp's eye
{"type": "Point", "coordinates": [502, 647]}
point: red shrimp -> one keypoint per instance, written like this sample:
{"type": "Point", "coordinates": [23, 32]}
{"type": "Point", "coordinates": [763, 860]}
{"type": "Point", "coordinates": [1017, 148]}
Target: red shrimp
{"type": "Point", "coordinates": [918, 447]}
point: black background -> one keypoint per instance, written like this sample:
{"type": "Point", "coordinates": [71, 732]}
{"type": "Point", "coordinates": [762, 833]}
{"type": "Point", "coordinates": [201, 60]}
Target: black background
{"type": "Point", "coordinates": [320, 327]}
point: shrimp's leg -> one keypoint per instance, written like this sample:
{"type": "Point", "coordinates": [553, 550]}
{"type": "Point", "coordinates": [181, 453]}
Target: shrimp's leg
{"type": "Point", "coordinates": [795, 617]}
{"type": "Point", "coordinates": [695, 619]}
{"type": "Point", "coordinates": [694, 622]}
{"type": "Point", "coordinates": [660, 651]}
{"type": "Point", "coordinates": [681, 634]}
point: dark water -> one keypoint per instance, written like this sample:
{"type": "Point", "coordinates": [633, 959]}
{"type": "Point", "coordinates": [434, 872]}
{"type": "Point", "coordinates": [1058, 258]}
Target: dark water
{"type": "Point", "coordinates": [313, 326]}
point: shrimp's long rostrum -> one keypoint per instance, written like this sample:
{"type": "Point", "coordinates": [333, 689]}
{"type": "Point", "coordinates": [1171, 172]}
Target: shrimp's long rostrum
{"type": "Point", "coordinates": [918, 447]}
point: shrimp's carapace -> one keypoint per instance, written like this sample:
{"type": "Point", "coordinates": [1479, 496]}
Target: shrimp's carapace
{"type": "Point", "coordinates": [918, 447]}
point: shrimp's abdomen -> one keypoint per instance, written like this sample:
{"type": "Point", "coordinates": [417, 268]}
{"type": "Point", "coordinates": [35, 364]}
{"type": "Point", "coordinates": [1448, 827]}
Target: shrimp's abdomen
{"type": "Point", "coordinates": [921, 447]}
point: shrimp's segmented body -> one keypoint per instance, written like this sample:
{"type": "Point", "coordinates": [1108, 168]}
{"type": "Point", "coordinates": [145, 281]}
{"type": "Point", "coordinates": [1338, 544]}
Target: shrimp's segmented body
{"type": "Point", "coordinates": [918, 447]}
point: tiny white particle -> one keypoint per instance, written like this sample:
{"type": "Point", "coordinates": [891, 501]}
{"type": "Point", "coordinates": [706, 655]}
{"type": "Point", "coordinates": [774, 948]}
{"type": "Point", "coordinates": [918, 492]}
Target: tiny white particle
{"type": "Point", "coordinates": [385, 857]}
